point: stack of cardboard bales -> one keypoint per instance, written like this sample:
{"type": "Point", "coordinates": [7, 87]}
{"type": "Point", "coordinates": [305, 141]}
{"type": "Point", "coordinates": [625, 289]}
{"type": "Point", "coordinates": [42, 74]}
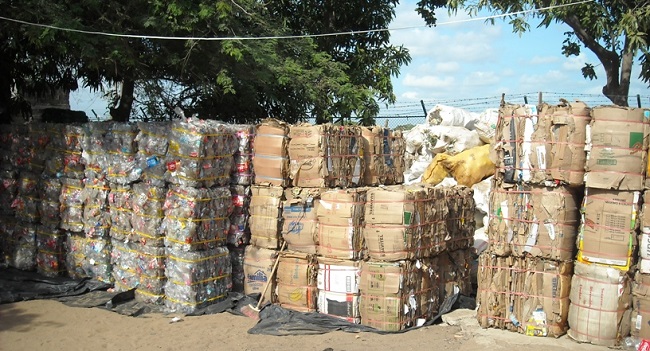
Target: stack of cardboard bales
{"type": "Point", "coordinates": [524, 277]}
{"type": "Point", "coordinates": [601, 299]}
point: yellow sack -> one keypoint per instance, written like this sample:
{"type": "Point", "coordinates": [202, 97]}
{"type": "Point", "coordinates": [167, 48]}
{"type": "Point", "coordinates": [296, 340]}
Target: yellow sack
{"type": "Point", "coordinates": [436, 171]}
{"type": "Point", "coordinates": [470, 166]}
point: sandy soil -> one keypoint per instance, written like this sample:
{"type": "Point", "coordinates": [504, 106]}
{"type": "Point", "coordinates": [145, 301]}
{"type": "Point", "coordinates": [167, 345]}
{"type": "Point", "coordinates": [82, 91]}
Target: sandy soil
{"type": "Point", "coordinates": [50, 325]}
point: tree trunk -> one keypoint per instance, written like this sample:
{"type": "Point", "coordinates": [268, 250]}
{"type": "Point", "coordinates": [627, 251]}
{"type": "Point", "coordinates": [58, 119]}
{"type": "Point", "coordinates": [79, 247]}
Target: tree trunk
{"type": "Point", "coordinates": [122, 112]}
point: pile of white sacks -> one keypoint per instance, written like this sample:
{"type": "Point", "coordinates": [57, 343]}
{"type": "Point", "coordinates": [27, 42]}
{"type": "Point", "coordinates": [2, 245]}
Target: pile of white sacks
{"type": "Point", "coordinates": [452, 130]}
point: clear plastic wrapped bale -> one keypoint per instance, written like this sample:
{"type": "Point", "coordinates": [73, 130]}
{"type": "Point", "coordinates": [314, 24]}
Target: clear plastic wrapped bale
{"type": "Point", "coordinates": [74, 260]}
{"type": "Point", "coordinates": [121, 211]}
{"type": "Point", "coordinates": [8, 191]}
{"type": "Point", "coordinates": [50, 256]}
{"type": "Point", "coordinates": [124, 260]}
{"type": "Point", "coordinates": [97, 259]}
{"type": "Point", "coordinates": [242, 171]}
{"type": "Point", "coordinates": [237, 262]}
{"type": "Point", "coordinates": [121, 148]}
{"type": "Point", "coordinates": [96, 216]}
{"type": "Point", "coordinates": [64, 159]}
{"type": "Point", "coordinates": [26, 201]}
{"type": "Point", "coordinates": [151, 158]}
{"type": "Point", "coordinates": [239, 232]}
{"type": "Point", "coordinates": [197, 279]}
{"type": "Point", "coordinates": [30, 155]}
{"type": "Point", "coordinates": [196, 219]}
{"type": "Point", "coordinates": [24, 246]}
{"type": "Point", "coordinates": [200, 153]}
{"type": "Point", "coordinates": [150, 268]}
{"type": "Point", "coordinates": [49, 206]}
{"type": "Point", "coordinates": [7, 227]}
{"type": "Point", "coordinates": [94, 155]}
{"type": "Point", "coordinates": [148, 214]}
{"type": "Point", "coordinates": [71, 204]}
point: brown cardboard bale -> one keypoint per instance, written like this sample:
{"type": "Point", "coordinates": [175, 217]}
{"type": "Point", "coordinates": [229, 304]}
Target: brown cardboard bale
{"type": "Point", "coordinates": [338, 288]}
{"type": "Point", "coordinates": [617, 148]}
{"type": "Point", "coordinates": [300, 219]}
{"type": "Point", "coordinates": [515, 123]}
{"type": "Point", "coordinates": [296, 281]}
{"type": "Point", "coordinates": [258, 265]}
{"type": "Point", "coordinates": [384, 156]}
{"type": "Point", "coordinates": [326, 155]}
{"type": "Point", "coordinates": [460, 220]}
{"type": "Point", "coordinates": [454, 268]}
{"type": "Point", "coordinates": [609, 225]}
{"type": "Point", "coordinates": [265, 219]}
{"type": "Point", "coordinates": [509, 217]}
{"type": "Point", "coordinates": [270, 158]}
{"type": "Point", "coordinates": [601, 304]}
{"type": "Point", "coordinates": [399, 220]}
{"type": "Point", "coordinates": [558, 143]}
{"type": "Point", "coordinates": [527, 295]}
{"type": "Point", "coordinates": [340, 223]}
{"type": "Point", "coordinates": [553, 226]}
{"type": "Point", "coordinates": [640, 326]}
{"type": "Point", "coordinates": [390, 294]}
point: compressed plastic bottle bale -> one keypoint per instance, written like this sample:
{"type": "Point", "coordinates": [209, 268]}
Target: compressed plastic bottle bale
{"type": "Point", "coordinates": [200, 153]}
{"type": "Point", "coordinates": [7, 227]}
{"type": "Point", "coordinates": [242, 172]}
{"type": "Point", "coordinates": [123, 168]}
{"type": "Point", "coordinates": [26, 201]}
{"type": "Point", "coordinates": [24, 245]}
{"type": "Point", "coordinates": [150, 268]}
{"type": "Point", "coordinates": [237, 262]}
{"type": "Point", "coordinates": [148, 214]}
{"type": "Point", "coordinates": [94, 152]}
{"type": "Point", "coordinates": [197, 279]}
{"type": "Point", "coordinates": [31, 155]}
{"type": "Point", "coordinates": [120, 204]}
{"type": "Point", "coordinates": [49, 206]}
{"type": "Point", "coordinates": [71, 204]}
{"type": "Point", "coordinates": [239, 231]}
{"type": "Point", "coordinates": [151, 158]}
{"type": "Point", "coordinates": [8, 191]}
{"type": "Point", "coordinates": [96, 217]}
{"type": "Point", "coordinates": [75, 257]}
{"type": "Point", "coordinates": [50, 258]}
{"type": "Point", "coordinates": [124, 262]}
{"type": "Point", "coordinates": [65, 161]}
{"type": "Point", "coordinates": [97, 259]}
{"type": "Point", "coordinates": [196, 219]}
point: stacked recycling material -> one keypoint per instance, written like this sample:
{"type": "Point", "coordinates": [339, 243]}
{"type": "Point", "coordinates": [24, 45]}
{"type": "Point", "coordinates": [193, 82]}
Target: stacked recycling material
{"type": "Point", "coordinates": [524, 275]}
{"type": "Point", "coordinates": [49, 205]}
{"type": "Point", "coordinates": [271, 158]}
{"type": "Point", "coordinates": [147, 215]}
{"type": "Point", "coordinates": [71, 200]}
{"type": "Point", "coordinates": [26, 201]}
{"type": "Point", "coordinates": [296, 283]}
{"type": "Point", "coordinates": [29, 147]}
{"type": "Point", "coordinates": [120, 148]}
{"type": "Point", "coordinates": [326, 156]}
{"type": "Point", "coordinates": [383, 156]}
{"type": "Point", "coordinates": [8, 191]}
{"type": "Point", "coordinates": [340, 224]}
{"type": "Point", "coordinates": [151, 157]}
{"type": "Point", "coordinates": [196, 279]}
{"type": "Point", "coordinates": [96, 216]}
{"type": "Point", "coordinates": [123, 259]}
{"type": "Point", "coordinates": [239, 231]}
{"type": "Point", "coordinates": [237, 258]}
{"type": "Point", "coordinates": [50, 256]}
{"type": "Point", "coordinates": [94, 154]}
{"type": "Point", "coordinates": [74, 259]}
{"type": "Point", "coordinates": [150, 271]}
{"type": "Point", "coordinates": [242, 172]}
{"type": "Point", "coordinates": [97, 259]}
{"type": "Point", "coordinates": [64, 151]}
{"type": "Point", "coordinates": [7, 227]}
{"type": "Point", "coordinates": [338, 288]}
{"type": "Point", "coordinates": [258, 268]}
{"type": "Point", "coordinates": [23, 244]}
{"type": "Point", "coordinates": [300, 219]}
{"type": "Point", "coordinates": [120, 205]}
{"type": "Point", "coordinates": [200, 153]}
{"type": "Point", "coordinates": [617, 145]}
{"type": "Point", "coordinates": [265, 219]}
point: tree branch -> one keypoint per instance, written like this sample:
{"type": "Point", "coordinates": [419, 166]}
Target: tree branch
{"type": "Point", "coordinates": [605, 56]}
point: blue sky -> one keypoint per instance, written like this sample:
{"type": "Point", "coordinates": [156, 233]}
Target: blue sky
{"type": "Point", "coordinates": [471, 64]}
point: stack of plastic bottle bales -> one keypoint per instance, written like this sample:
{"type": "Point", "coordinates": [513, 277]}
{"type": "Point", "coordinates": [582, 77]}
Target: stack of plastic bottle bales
{"type": "Point", "coordinates": [524, 277]}
{"type": "Point", "coordinates": [601, 296]}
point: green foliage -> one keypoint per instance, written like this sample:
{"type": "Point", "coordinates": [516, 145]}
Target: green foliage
{"type": "Point", "coordinates": [616, 31]}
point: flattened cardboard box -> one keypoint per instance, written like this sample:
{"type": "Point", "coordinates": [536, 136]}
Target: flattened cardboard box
{"type": "Point", "coordinates": [341, 305]}
{"type": "Point", "coordinates": [515, 122]}
{"type": "Point", "coordinates": [258, 265]}
{"type": "Point", "coordinates": [300, 220]}
{"type": "Point", "coordinates": [601, 304]}
{"type": "Point", "coordinates": [558, 143]}
{"type": "Point", "coordinates": [390, 294]}
{"type": "Point", "coordinates": [296, 281]}
{"type": "Point", "coordinates": [617, 148]}
{"type": "Point", "coordinates": [270, 157]}
{"type": "Point", "coordinates": [460, 217]}
{"type": "Point", "coordinates": [340, 276]}
{"type": "Point", "coordinates": [340, 218]}
{"type": "Point", "coordinates": [608, 230]}
{"type": "Point", "coordinates": [640, 323]}
{"type": "Point", "coordinates": [509, 217]}
{"type": "Point", "coordinates": [553, 226]}
{"type": "Point", "coordinates": [265, 219]}
{"type": "Point", "coordinates": [306, 152]}
{"type": "Point", "coordinates": [384, 156]}
{"type": "Point", "coordinates": [645, 216]}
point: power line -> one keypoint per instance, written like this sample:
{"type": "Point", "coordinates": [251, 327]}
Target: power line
{"type": "Point", "coordinates": [161, 37]}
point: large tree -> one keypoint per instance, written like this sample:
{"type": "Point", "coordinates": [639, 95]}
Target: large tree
{"type": "Point", "coordinates": [233, 80]}
{"type": "Point", "coordinates": [616, 31]}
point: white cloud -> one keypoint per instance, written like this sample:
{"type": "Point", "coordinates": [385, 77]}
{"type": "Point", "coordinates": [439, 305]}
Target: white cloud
{"type": "Point", "coordinates": [410, 95]}
{"type": "Point", "coordinates": [447, 67]}
{"type": "Point", "coordinates": [542, 60]}
{"type": "Point", "coordinates": [427, 81]}
{"type": "Point", "coordinates": [480, 78]}
{"type": "Point", "coordinates": [574, 62]}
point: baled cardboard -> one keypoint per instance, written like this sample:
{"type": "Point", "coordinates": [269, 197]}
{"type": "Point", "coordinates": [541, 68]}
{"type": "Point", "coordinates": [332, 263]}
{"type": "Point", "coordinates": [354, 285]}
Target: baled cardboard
{"type": "Point", "coordinates": [383, 158]}
{"type": "Point", "coordinates": [266, 215]}
{"type": "Point", "coordinates": [340, 218]}
{"type": "Point", "coordinates": [300, 220]}
{"type": "Point", "coordinates": [340, 305]}
{"type": "Point", "coordinates": [296, 281]}
{"type": "Point", "coordinates": [609, 225]}
{"type": "Point", "coordinates": [617, 148]}
{"type": "Point", "coordinates": [460, 217]}
{"type": "Point", "coordinates": [341, 276]}
{"type": "Point", "coordinates": [270, 158]}
{"type": "Point", "coordinates": [601, 304]}
{"type": "Point", "coordinates": [258, 265]}
{"type": "Point", "coordinates": [509, 217]}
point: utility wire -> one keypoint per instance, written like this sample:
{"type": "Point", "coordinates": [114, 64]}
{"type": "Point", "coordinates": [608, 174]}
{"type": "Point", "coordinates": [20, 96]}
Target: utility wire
{"type": "Point", "coordinates": [160, 37]}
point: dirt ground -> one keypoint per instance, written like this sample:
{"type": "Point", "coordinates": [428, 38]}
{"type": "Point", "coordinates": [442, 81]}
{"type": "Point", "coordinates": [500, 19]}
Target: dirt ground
{"type": "Point", "coordinates": [51, 325]}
